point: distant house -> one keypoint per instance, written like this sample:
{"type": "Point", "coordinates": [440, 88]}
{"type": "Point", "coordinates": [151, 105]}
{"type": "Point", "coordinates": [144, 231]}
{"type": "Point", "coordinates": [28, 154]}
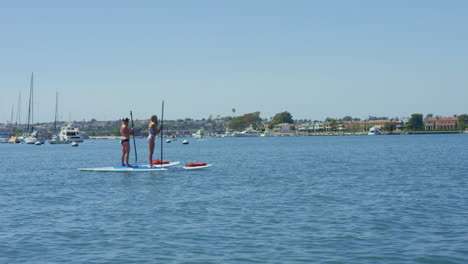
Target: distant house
{"type": "Point", "coordinates": [380, 124]}
{"type": "Point", "coordinates": [311, 126]}
{"type": "Point", "coordinates": [354, 125]}
{"type": "Point", "coordinates": [401, 124]}
{"type": "Point", "coordinates": [283, 128]}
{"type": "Point", "coordinates": [441, 123]}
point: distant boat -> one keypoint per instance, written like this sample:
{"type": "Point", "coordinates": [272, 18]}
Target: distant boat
{"type": "Point", "coordinates": [56, 139]}
{"type": "Point", "coordinates": [74, 144]}
{"type": "Point", "coordinates": [228, 133]}
{"type": "Point", "coordinates": [35, 137]}
{"type": "Point", "coordinates": [374, 131]}
{"type": "Point", "coordinates": [269, 133]}
{"type": "Point", "coordinates": [185, 142]}
{"type": "Point", "coordinates": [71, 133]}
{"type": "Point", "coordinates": [199, 134]}
{"type": "Point", "coordinates": [4, 138]}
{"type": "Point", "coordinates": [250, 132]}
{"type": "Point", "coordinates": [14, 140]}
{"type": "Point", "coordinates": [31, 135]}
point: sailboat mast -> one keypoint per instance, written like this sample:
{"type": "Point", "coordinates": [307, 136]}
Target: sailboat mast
{"type": "Point", "coordinates": [161, 132]}
{"type": "Point", "coordinates": [11, 119]}
{"type": "Point", "coordinates": [18, 112]}
{"type": "Point", "coordinates": [56, 112]}
{"type": "Point", "coordinates": [30, 102]}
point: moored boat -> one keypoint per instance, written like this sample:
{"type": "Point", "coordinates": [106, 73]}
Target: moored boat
{"type": "Point", "coordinates": [199, 134]}
{"type": "Point", "coordinates": [71, 133]}
{"type": "Point", "coordinates": [250, 132]}
{"type": "Point", "coordinates": [56, 138]}
{"type": "Point", "coordinates": [374, 131]}
{"type": "Point", "coordinates": [34, 137]}
{"type": "Point", "coordinates": [4, 138]}
{"type": "Point", "coordinates": [14, 140]}
{"type": "Point", "coordinates": [269, 133]}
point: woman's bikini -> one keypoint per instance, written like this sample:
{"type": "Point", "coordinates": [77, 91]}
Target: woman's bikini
{"type": "Point", "coordinates": [125, 139]}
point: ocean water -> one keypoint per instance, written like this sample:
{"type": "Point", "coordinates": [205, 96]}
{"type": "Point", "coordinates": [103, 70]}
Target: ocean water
{"type": "Point", "coordinates": [345, 199]}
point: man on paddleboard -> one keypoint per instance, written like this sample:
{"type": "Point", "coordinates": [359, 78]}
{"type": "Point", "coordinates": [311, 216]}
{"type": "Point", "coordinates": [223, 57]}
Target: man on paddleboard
{"type": "Point", "coordinates": [152, 132]}
{"type": "Point", "coordinates": [125, 141]}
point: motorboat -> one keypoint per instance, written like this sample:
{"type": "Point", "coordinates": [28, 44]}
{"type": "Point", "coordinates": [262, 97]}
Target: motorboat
{"type": "Point", "coordinates": [71, 133]}
{"type": "Point", "coordinates": [374, 131]}
{"type": "Point", "coordinates": [199, 134]}
{"type": "Point", "coordinates": [4, 138]}
{"type": "Point", "coordinates": [250, 132]}
{"type": "Point", "coordinates": [269, 133]}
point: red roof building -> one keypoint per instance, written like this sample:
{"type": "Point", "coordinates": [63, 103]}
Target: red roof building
{"type": "Point", "coordinates": [441, 123]}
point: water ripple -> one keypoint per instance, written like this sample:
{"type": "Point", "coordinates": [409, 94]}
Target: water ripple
{"type": "Point", "coordinates": [398, 199]}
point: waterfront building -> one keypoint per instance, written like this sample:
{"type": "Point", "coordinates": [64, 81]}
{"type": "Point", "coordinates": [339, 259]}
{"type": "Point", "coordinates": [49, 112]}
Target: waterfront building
{"type": "Point", "coordinates": [311, 126]}
{"type": "Point", "coordinates": [438, 123]}
{"type": "Point", "coordinates": [283, 128]}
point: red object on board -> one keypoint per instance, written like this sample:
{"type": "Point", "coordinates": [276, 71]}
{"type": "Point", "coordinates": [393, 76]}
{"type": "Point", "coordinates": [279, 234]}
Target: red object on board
{"type": "Point", "coordinates": [195, 164]}
{"type": "Point", "coordinates": [157, 162]}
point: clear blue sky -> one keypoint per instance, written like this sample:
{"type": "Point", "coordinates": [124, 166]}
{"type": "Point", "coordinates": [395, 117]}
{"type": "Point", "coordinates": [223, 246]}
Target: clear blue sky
{"type": "Point", "coordinates": [315, 59]}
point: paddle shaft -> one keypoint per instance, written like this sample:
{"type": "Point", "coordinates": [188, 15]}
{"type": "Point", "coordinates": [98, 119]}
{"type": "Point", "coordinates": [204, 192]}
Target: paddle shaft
{"type": "Point", "coordinates": [161, 132]}
{"type": "Point", "coordinates": [134, 143]}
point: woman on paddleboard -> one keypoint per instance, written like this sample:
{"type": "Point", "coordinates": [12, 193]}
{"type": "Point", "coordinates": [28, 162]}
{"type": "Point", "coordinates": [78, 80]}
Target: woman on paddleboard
{"type": "Point", "coordinates": [126, 132]}
{"type": "Point", "coordinates": [152, 132]}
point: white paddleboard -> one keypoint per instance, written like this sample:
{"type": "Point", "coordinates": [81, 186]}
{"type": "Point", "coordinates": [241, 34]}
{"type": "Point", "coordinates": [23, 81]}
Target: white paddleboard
{"type": "Point", "coordinates": [142, 168]}
{"type": "Point", "coordinates": [170, 164]}
{"type": "Point", "coordinates": [124, 169]}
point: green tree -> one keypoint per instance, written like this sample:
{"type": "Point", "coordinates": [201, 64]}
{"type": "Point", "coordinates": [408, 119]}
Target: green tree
{"type": "Point", "coordinates": [416, 121]}
{"type": "Point", "coordinates": [283, 117]}
{"type": "Point", "coordinates": [347, 118]}
{"type": "Point", "coordinates": [389, 126]}
{"type": "Point", "coordinates": [237, 124]}
{"type": "Point", "coordinates": [463, 121]}
{"type": "Point", "coordinates": [242, 122]}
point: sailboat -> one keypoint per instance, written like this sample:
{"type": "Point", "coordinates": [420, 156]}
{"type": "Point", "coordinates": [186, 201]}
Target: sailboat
{"type": "Point", "coordinates": [32, 136]}
{"type": "Point", "coordinates": [56, 138]}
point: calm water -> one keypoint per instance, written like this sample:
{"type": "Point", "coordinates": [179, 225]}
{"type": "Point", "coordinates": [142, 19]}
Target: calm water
{"type": "Point", "coordinates": [356, 199]}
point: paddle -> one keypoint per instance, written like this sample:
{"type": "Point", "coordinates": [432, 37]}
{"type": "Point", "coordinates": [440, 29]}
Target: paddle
{"type": "Point", "coordinates": [134, 143]}
{"type": "Point", "coordinates": [161, 132]}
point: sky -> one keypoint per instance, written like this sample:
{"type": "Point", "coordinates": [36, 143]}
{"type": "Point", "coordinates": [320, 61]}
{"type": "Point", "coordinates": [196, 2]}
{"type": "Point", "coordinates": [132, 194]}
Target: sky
{"type": "Point", "coordinates": [314, 59]}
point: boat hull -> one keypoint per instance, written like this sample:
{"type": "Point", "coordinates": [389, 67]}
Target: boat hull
{"type": "Point", "coordinates": [30, 140]}
{"type": "Point", "coordinates": [74, 139]}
